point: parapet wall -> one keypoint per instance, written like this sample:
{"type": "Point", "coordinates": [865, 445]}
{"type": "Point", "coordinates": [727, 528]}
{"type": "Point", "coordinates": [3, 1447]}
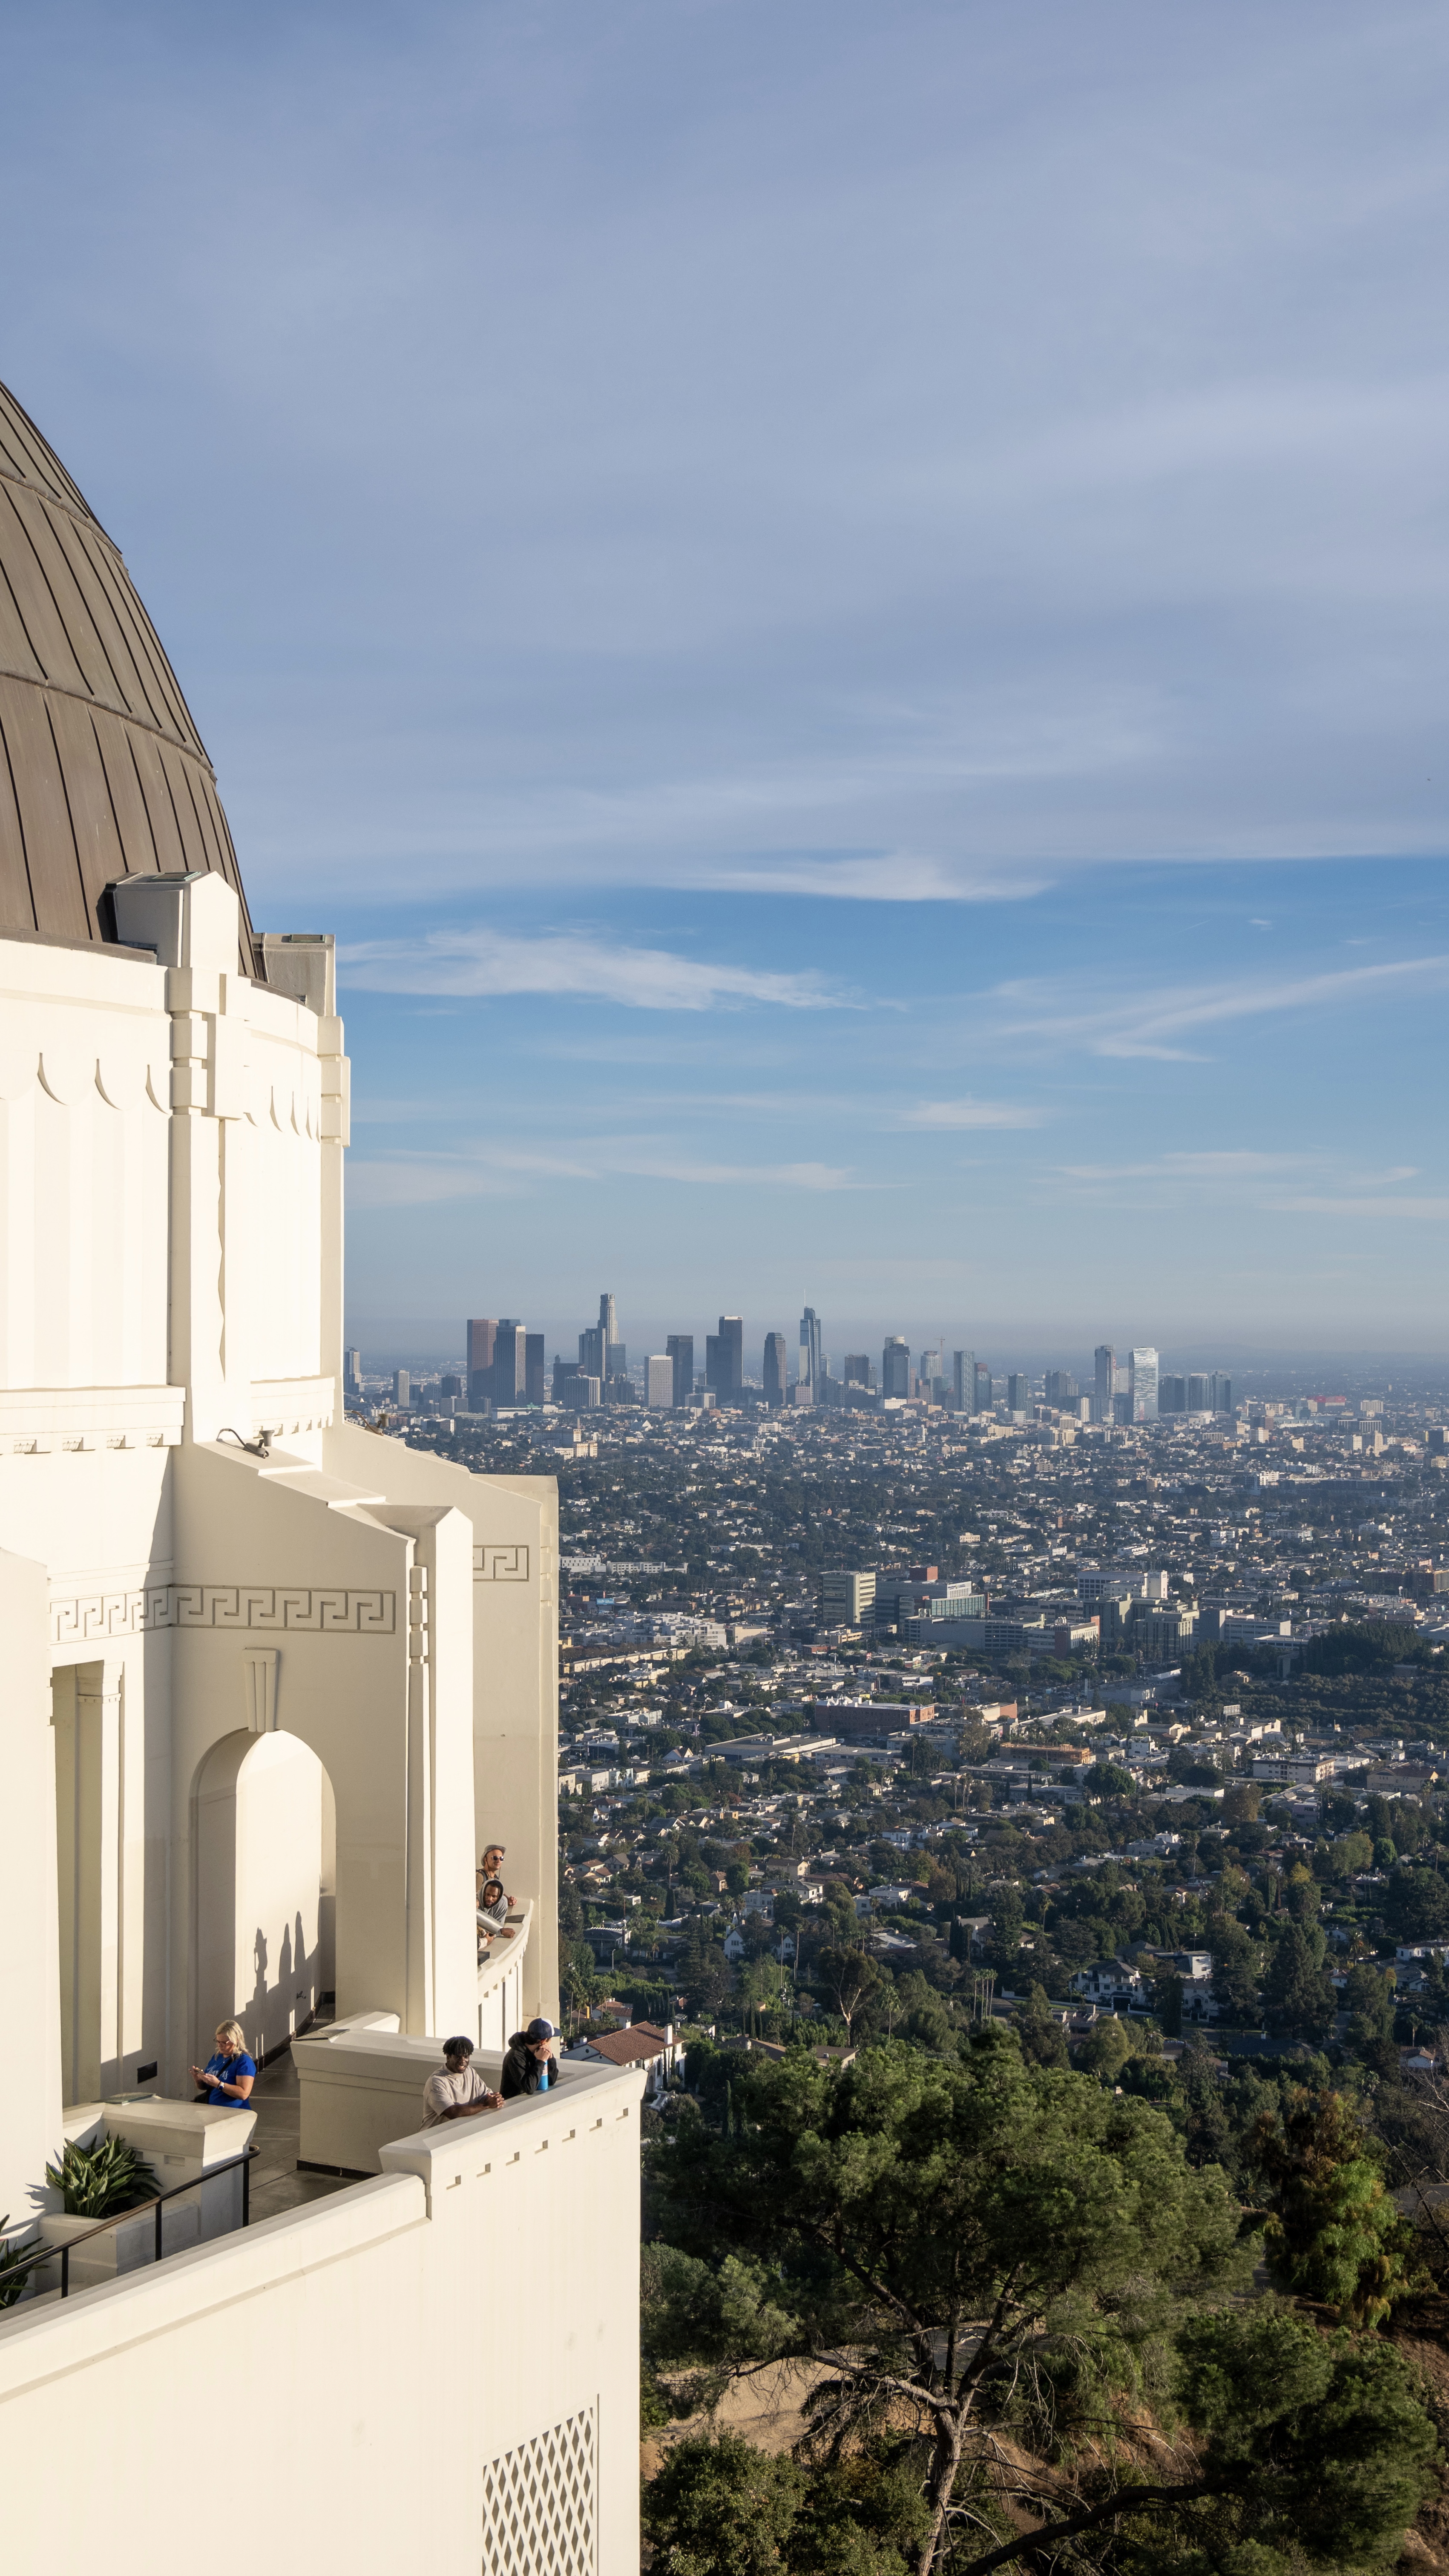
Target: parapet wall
{"type": "Point", "coordinates": [437, 2367]}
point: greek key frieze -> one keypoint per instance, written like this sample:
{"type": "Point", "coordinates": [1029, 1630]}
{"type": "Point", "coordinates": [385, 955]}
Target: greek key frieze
{"type": "Point", "coordinates": [94, 1616]}
{"type": "Point", "coordinates": [253, 1608]}
{"type": "Point", "coordinates": [496, 1563]}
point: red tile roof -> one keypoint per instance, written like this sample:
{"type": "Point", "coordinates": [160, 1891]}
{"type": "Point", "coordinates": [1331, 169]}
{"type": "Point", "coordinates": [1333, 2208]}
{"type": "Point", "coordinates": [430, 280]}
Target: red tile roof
{"type": "Point", "coordinates": [633, 2047]}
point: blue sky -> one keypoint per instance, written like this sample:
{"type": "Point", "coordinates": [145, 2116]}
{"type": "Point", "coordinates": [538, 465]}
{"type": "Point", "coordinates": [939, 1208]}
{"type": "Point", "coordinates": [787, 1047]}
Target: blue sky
{"type": "Point", "coordinates": [843, 609]}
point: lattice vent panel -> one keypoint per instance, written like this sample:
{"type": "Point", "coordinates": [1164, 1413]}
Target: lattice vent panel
{"type": "Point", "coordinates": [539, 2515]}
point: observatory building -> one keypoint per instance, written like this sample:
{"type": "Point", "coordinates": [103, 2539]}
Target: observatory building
{"type": "Point", "coordinates": [268, 1684]}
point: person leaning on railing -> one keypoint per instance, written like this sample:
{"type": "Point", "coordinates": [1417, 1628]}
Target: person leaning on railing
{"type": "Point", "coordinates": [492, 1913]}
{"type": "Point", "coordinates": [457, 2090]}
{"type": "Point", "coordinates": [529, 2066]}
{"type": "Point", "coordinates": [230, 2074]}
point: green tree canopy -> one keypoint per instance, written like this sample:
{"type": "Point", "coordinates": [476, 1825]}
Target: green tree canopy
{"type": "Point", "coordinates": [994, 2268]}
{"type": "Point", "coordinates": [1108, 1780]}
{"type": "Point", "coordinates": [1297, 1994]}
{"type": "Point", "coordinates": [1333, 2232]}
{"type": "Point", "coordinates": [1416, 1905]}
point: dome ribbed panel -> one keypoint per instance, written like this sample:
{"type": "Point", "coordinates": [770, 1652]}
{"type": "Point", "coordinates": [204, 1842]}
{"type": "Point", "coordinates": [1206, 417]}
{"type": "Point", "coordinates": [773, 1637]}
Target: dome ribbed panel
{"type": "Point", "coordinates": [102, 771]}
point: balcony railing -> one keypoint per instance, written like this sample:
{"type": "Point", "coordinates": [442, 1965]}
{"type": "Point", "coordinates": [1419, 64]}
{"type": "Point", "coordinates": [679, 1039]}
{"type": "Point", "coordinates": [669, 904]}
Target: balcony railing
{"type": "Point", "coordinates": [34, 2257]}
{"type": "Point", "coordinates": [500, 1982]}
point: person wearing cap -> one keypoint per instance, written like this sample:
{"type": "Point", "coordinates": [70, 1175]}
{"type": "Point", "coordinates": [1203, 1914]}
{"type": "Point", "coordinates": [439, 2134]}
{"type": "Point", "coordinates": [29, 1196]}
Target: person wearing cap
{"type": "Point", "coordinates": [457, 2090]}
{"type": "Point", "coordinates": [528, 2066]}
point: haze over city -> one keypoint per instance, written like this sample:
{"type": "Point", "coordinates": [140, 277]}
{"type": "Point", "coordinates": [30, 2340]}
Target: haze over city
{"type": "Point", "coordinates": [844, 614]}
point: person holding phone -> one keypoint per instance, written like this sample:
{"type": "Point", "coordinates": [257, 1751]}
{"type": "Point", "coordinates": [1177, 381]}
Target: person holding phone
{"type": "Point", "coordinates": [228, 2075]}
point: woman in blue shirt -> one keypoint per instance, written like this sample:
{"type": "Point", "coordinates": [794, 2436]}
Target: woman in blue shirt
{"type": "Point", "coordinates": [229, 2075]}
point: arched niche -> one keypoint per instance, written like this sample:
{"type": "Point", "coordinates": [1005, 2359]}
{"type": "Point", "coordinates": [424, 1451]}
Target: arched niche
{"type": "Point", "coordinates": [264, 1844]}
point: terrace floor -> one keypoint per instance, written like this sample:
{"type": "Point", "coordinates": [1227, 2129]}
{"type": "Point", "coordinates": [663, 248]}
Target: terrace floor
{"type": "Point", "coordinates": [276, 2185]}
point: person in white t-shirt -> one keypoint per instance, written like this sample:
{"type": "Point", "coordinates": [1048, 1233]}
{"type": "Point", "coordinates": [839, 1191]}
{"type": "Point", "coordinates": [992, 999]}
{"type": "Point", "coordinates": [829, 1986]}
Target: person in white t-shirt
{"type": "Point", "coordinates": [457, 2091]}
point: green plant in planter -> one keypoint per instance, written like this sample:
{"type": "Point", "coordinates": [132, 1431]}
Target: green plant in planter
{"type": "Point", "coordinates": [100, 2181]}
{"type": "Point", "coordinates": [15, 2261]}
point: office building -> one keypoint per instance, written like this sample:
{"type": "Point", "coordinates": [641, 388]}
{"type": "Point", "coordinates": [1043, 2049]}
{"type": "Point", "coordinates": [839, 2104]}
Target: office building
{"type": "Point", "coordinates": [895, 1367]}
{"type": "Point", "coordinates": [680, 1347]}
{"type": "Point", "coordinates": [724, 1357]}
{"type": "Point", "coordinates": [1172, 1395]}
{"type": "Point", "coordinates": [451, 1387]}
{"type": "Point", "coordinates": [510, 1362]}
{"type": "Point", "coordinates": [1104, 1383]}
{"type": "Point", "coordinates": [1199, 1393]}
{"type": "Point", "coordinates": [352, 1371]}
{"type": "Point", "coordinates": [1018, 1391]}
{"type": "Point", "coordinates": [1062, 1390]}
{"type": "Point", "coordinates": [923, 1594]}
{"type": "Point", "coordinates": [810, 1369]}
{"type": "Point", "coordinates": [268, 1684]}
{"type": "Point", "coordinates": [774, 1373]}
{"type": "Point", "coordinates": [1165, 1632]}
{"type": "Point", "coordinates": [859, 1369]}
{"type": "Point", "coordinates": [963, 1381]}
{"type": "Point", "coordinates": [534, 1368]}
{"type": "Point", "coordinates": [402, 1389]}
{"type": "Point", "coordinates": [659, 1382]}
{"type": "Point", "coordinates": [1143, 1384]}
{"type": "Point", "coordinates": [846, 1600]}
{"type": "Point", "coordinates": [613, 1358]}
{"type": "Point", "coordinates": [1220, 1392]}
{"type": "Point", "coordinates": [481, 1332]}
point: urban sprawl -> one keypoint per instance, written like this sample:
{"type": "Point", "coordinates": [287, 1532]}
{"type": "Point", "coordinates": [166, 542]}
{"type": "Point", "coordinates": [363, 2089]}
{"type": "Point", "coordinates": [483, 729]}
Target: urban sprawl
{"type": "Point", "coordinates": [1116, 1709]}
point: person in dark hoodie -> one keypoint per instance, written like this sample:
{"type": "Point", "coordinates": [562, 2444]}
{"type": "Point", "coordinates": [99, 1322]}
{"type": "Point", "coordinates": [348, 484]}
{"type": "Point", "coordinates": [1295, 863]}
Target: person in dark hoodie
{"type": "Point", "coordinates": [529, 2065]}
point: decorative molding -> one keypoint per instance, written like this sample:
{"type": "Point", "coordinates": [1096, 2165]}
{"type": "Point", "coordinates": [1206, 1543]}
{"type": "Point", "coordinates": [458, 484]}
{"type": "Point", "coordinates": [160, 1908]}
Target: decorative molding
{"type": "Point", "coordinates": [298, 1610]}
{"type": "Point", "coordinates": [36, 1420]}
{"type": "Point", "coordinates": [91, 1616]}
{"type": "Point", "coordinates": [294, 1404]}
{"type": "Point", "coordinates": [259, 1688]}
{"type": "Point", "coordinates": [501, 1563]}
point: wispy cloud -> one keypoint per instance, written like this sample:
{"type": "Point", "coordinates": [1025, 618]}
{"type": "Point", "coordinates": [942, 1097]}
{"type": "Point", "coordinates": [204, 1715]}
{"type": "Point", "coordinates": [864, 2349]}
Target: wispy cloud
{"type": "Point", "coordinates": [1258, 1180]}
{"type": "Point", "coordinates": [1221, 1166]}
{"type": "Point", "coordinates": [1375, 1208]}
{"type": "Point", "coordinates": [474, 964]}
{"type": "Point", "coordinates": [424, 1180]}
{"type": "Point", "coordinates": [1147, 1024]}
{"type": "Point", "coordinates": [971, 1113]}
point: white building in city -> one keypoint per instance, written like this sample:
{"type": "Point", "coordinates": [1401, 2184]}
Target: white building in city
{"type": "Point", "coordinates": [268, 1683]}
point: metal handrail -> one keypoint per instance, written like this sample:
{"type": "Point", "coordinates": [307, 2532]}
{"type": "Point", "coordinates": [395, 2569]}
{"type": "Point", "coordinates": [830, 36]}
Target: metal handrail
{"type": "Point", "coordinates": [47, 2253]}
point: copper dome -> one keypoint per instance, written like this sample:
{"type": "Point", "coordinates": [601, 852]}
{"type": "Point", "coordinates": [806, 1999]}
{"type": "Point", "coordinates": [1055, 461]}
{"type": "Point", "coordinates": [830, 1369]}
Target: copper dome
{"type": "Point", "coordinates": [102, 772]}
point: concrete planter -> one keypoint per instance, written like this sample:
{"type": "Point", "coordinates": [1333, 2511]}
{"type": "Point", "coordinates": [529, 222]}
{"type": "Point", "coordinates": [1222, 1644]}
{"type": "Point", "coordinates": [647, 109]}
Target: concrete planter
{"type": "Point", "coordinates": [130, 2246]}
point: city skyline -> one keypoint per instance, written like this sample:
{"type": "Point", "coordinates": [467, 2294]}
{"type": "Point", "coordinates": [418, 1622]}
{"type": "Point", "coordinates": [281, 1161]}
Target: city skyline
{"type": "Point", "coordinates": [509, 1364]}
{"type": "Point", "coordinates": [439, 1344]}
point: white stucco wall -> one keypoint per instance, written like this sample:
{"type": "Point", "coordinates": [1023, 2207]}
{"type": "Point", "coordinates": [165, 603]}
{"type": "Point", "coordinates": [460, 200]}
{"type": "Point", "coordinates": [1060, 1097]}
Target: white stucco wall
{"type": "Point", "coordinates": [358, 2369]}
{"type": "Point", "coordinates": [175, 1615]}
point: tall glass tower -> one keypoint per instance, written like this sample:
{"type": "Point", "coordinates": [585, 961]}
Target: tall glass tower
{"type": "Point", "coordinates": [811, 1370]}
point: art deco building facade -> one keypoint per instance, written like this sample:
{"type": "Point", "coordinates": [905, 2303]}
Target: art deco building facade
{"type": "Point", "coordinates": [267, 1684]}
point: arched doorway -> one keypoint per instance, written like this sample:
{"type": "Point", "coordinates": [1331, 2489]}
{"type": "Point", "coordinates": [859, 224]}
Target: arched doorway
{"type": "Point", "coordinates": [265, 1878]}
